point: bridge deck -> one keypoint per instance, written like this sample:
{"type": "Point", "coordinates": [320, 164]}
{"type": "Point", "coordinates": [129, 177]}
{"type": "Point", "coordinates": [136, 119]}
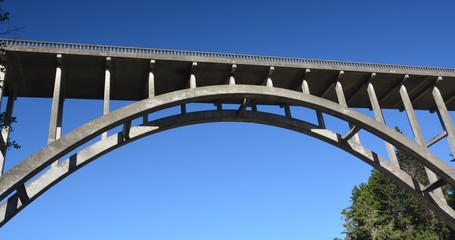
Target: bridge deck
{"type": "Point", "coordinates": [31, 68]}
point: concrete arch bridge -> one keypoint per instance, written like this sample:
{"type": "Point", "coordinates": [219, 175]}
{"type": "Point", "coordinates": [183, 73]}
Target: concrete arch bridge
{"type": "Point", "coordinates": [159, 79]}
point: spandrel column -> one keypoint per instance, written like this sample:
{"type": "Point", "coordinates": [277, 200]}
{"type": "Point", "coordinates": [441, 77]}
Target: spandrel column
{"type": "Point", "coordinates": [7, 117]}
{"type": "Point", "coordinates": [380, 117]}
{"type": "Point", "coordinates": [416, 130]}
{"type": "Point", "coordinates": [107, 91]}
{"type": "Point", "coordinates": [55, 124]}
{"type": "Point", "coordinates": [444, 116]}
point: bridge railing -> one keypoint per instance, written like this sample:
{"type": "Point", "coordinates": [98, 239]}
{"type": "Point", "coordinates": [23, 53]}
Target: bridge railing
{"type": "Point", "coordinates": [262, 59]}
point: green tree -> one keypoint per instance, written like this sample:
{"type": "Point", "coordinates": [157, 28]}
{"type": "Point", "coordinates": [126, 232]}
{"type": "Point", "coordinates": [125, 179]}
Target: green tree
{"type": "Point", "coordinates": [382, 210]}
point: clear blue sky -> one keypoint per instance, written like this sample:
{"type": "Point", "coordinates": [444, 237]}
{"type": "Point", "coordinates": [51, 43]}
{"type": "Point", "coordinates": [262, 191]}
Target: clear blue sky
{"type": "Point", "coordinates": [215, 181]}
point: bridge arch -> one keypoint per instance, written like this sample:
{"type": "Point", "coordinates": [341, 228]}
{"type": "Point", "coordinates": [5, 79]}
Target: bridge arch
{"type": "Point", "coordinates": [13, 181]}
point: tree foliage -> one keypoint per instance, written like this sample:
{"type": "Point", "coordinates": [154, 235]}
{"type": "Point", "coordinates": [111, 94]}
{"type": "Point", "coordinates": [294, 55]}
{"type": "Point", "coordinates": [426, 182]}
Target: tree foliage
{"type": "Point", "coordinates": [6, 120]}
{"type": "Point", "coordinates": [4, 16]}
{"type": "Point", "coordinates": [382, 210]}
{"type": "Point", "coordinates": [6, 124]}
{"type": "Point", "coordinates": [7, 29]}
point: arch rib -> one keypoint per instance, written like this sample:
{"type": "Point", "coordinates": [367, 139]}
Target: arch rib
{"type": "Point", "coordinates": [51, 177]}
{"type": "Point", "coordinates": [25, 170]}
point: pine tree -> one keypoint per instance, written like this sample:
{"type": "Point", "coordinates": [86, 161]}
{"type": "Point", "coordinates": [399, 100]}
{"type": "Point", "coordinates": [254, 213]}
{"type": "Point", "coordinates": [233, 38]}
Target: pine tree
{"type": "Point", "coordinates": [382, 210]}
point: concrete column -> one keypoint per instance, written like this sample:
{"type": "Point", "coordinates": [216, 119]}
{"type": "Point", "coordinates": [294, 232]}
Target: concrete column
{"type": "Point", "coordinates": [321, 121]}
{"type": "Point", "coordinates": [305, 87]}
{"type": "Point", "coordinates": [243, 106]}
{"type": "Point", "coordinates": [231, 80]}
{"type": "Point", "coordinates": [4, 145]}
{"type": "Point", "coordinates": [268, 81]}
{"type": "Point", "coordinates": [416, 130]}
{"type": "Point", "coordinates": [8, 115]}
{"type": "Point", "coordinates": [444, 117]}
{"type": "Point", "coordinates": [57, 100]}
{"type": "Point", "coordinates": [150, 86]}
{"type": "Point", "coordinates": [5, 132]}
{"type": "Point", "coordinates": [107, 91]}
{"type": "Point", "coordinates": [55, 124]}
{"type": "Point", "coordinates": [2, 86]}
{"type": "Point", "coordinates": [380, 118]}
{"type": "Point", "coordinates": [306, 90]}
{"type": "Point", "coordinates": [151, 80]}
{"type": "Point", "coordinates": [287, 111]}
{"type": "Point", "coordinates": [342, 101]}
{"type": "Point", "coordinates": [192, 81]}
{"type": "Point", "coordinates": [2, 81]}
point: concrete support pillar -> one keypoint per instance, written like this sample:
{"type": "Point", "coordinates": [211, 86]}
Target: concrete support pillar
{"type": "Point", "coordinates": [254, 107]}
{"type": "Point", "coordinates": [305, 88]}
{"type": "Point", "coordinates": [231, 80]}
{"type": "Point", "coordinates": [150, 86]}
{"type": "Point", "coordinates": [444, 117]}
{"type": "Point", "coordinates": [219, 106]}
{"type": "Point", "coordinates": [287, 111]}
{"type": "Point", "coordinates": [151, 80]}
{"type": "Point", "coordinates": [107, 91]}
{"type": "Point", "coordinates": [5, 131]}
{"type": "Point", "coordinates": [192, 81]}
{"type": "Point", "coordinates": [55, 124]}
{"type": "Point", "coordinates": [4, 140]}
{"type": "Point", "coordinates": [321, 121]}
{"type": "Point", "coordinates": [268, 81]}
{"type": "Point", "coordinates": [243, 106]}
{"type": "Point", "coordinates": [342, 101]}
{"type": "Point", "coordinates": [7, 117]}
{"type": "Point", "coordinates": [2, 81]}
{"type": "Point", "coordinates": [380, 118]}
{"type": "Point", "coordinates": [416, 130]}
